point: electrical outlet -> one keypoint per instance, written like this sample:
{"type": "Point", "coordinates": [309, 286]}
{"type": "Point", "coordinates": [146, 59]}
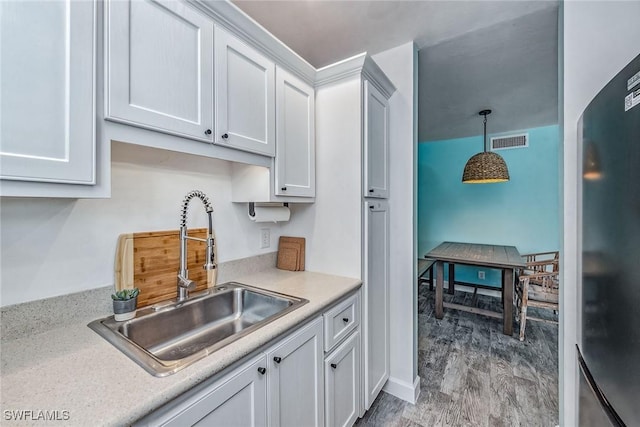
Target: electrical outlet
{"type": "Point", "coordinates": [481, 275]}
{"type": "Point", "coordinates": [265, 238]}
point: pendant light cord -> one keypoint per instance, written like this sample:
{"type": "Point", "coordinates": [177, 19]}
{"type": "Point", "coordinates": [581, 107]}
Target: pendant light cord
{"type": "Point", "coordinates": [485, 133]}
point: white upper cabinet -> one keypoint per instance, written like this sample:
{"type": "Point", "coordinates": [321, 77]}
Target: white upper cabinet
{"type": "Point", "coordinates": [47, 120]}
{"type": "Point", "coordinates": [376, 143]}
{"type": "Point", "coordinates": [245, 96]}
{"type": "Point", "coordinates": [295, 136]}
{"type": "Point", "coordinates": [160, 67]}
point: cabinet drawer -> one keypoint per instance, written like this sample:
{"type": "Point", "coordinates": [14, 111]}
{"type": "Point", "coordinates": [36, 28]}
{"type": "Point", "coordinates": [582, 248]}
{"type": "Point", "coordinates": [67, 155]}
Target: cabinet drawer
{"type": "Point", "coordinates": [341, 320]}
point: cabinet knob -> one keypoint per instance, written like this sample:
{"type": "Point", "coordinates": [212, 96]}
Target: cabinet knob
{"type": "Point", "coordinates": [334, 366]}
{"type": "Point", "coordinates": [262, 370]}
{"type": "Point", "coordinates": [284, 189]}
{"type": "Point", "coordinates": [207, 132]}
{"type": "Point", "coordinates": [345, 319]}
{"type": "Point", "coordinates": [371, 190]}
{"type": "Point", "coordinates": [225, 136]}
{"type": "Point", "coordinates": [277, 359]}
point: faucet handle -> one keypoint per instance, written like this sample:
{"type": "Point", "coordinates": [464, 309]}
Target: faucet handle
{"type": "Point", "coordinates": [185, 283]}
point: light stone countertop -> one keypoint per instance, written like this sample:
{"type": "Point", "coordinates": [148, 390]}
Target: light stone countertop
{"type": "Point", "coordinates": [74, 369]}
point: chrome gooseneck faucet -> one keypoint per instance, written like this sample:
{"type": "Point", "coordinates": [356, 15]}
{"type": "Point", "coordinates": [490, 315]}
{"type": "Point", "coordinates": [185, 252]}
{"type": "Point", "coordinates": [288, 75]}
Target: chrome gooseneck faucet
{"type": "Point", "coordinates": [184, 284]}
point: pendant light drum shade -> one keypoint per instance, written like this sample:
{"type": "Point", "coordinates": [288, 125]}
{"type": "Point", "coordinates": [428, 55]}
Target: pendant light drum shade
{"type": "Point", "coordinates": [485, 167]}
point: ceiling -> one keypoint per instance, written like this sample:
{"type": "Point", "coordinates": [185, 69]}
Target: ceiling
{"type": "Point", "coordinates": [473, 54]}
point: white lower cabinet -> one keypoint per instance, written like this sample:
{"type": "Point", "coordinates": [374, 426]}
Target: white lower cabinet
{"type": "Point", "coordinates": [291, 383]}
{"type": "Point", "coordinates": [238, 399]}
{"type": "Point", "coordinates": [342, 383]}
{"type": "Point", "coordinates": [296, 386]}
{"type": "Point", "coordinates": [283, 386]}
{"type": "Point", "coordinates": [375, 303]}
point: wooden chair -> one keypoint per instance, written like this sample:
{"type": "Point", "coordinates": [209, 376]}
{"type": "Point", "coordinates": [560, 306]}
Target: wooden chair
{"type": "Point", "coordinates": [425, 265]}
{"type": "Point", "coordinates": [541, 262]}
{"type": "Point", "coordinates": [538, 286]}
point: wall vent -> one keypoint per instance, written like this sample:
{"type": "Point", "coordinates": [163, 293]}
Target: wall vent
{"type": "Point", "coordinates": [509, 141]}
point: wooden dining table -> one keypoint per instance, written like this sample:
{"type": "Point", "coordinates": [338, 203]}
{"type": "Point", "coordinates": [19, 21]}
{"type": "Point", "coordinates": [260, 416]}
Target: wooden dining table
{"type": "Point", "coordinates": [504, 258]}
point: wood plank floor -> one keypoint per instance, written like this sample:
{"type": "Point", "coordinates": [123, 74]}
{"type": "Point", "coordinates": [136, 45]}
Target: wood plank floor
{"type": "Point", "coordinates": [473, 375]}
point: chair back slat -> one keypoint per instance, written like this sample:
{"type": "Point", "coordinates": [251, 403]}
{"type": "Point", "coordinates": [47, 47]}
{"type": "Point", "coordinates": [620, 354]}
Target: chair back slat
{"type": "Point", "coordinates": [538, 284]}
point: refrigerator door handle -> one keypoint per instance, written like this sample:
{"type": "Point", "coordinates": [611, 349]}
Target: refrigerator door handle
{"type": "Point", "coordinates": [604, 403]}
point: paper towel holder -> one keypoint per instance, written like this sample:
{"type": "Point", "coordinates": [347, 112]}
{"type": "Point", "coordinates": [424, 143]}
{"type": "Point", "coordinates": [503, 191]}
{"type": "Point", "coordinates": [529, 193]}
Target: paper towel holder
{"type": "Point", "coordinates": [252, 206]}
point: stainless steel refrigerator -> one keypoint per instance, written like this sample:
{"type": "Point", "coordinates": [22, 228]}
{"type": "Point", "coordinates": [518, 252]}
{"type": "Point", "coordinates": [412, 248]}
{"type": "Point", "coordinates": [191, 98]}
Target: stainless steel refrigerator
{"type": "Point", "coordinates": [608, 350]}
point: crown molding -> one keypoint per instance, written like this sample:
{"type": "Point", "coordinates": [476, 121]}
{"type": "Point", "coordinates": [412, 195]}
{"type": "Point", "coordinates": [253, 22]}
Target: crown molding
{"type": "Point", "coordinates": [357, 65]}
{"type": "Point", "coordinates": [372, 72]}
{"type": "Point", "coordinates": [234, 20]}
{"type": "Point", "coordinates": [340, 70]}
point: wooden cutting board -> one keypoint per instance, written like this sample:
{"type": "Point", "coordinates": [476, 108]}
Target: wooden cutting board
{"type": "Point", "coordinates": [150, 261]}
{"type": "Point", "coordinates": [291, 253]}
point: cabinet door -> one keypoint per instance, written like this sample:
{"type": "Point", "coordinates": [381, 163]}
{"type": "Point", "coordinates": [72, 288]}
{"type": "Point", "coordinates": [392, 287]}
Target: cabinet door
{"type": "Point", "coordinates": [295, 136]}
{"type": "Point", "coordinates": [376, 299]}
{"type": "Point", "coordinates": [376, 143]}
{"type": "Point", "coordinates": [240, 400]}
{"type": "Point", "coordinates": [245, 96]}
{"type": "Point", "coordinates": [342, 383]}
{"type": "Point", "coordinates": [47, 124]}
{"type": "Point", "coordinates": [160, 67]}
{"type": "Point", "coordinates": [296, 384]}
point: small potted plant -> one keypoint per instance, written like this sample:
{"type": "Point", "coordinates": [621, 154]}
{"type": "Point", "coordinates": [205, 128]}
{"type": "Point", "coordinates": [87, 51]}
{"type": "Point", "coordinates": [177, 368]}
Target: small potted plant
{"type": "Point", "coordinates": [124, 304]}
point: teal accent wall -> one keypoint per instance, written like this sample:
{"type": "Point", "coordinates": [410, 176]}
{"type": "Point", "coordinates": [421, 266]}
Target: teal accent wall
{"type": "Point", "coordinates": [522, 212]}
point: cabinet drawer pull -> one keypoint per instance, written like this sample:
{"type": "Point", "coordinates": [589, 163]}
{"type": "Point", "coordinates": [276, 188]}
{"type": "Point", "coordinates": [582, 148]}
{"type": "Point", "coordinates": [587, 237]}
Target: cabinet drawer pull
{"type": "Point", "coordinates": [262, 370]}
{"type": "Point", "coordinates": [277, 359]}
{"type": "Point", "coordinates": [345, 319]}
{"type": "Point", "coordinates": [284, 189]}
{"type": "Point", "coordinates": [334, 366]}
{"type": "Point", "coordinates": [371, 190]}
{"type": "Point", "coordinates": [225, 135]}
{"type": "Point", "coordinates": [207, 132]}
{"type": "Point", "coordinates": [371, 206]}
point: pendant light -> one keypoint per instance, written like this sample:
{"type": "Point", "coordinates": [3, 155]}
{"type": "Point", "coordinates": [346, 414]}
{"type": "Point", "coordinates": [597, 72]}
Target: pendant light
{"type": "Point", "coordinates": [591, 168]}
{"type": "Point", "coordinates": [485, 167]}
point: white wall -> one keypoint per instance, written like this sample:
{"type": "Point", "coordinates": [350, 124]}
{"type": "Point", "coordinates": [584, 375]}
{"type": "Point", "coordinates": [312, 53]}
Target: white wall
{"type": "Point", "coordinates": [53, 247]}
{"type": "Point", "coordinates": [332, 225]}
{"type": "Point", "coordinates": [600, 38]}
{"type": "Point", "coordinates": [399, 64]}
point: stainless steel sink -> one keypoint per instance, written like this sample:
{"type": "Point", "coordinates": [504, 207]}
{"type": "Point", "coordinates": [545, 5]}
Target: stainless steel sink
{"type": "Point", "coordinates": [167, 337]}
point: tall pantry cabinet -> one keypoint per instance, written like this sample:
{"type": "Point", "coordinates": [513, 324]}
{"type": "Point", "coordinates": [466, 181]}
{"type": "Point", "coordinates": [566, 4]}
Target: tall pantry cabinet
{"type": "Point", "coordinates": [352, 122]}
{"type": "Point", "coordinates": [375, 271]}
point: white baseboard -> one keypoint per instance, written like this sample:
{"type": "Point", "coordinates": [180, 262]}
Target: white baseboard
{"type": "Point", "coordinates": [403, 390]}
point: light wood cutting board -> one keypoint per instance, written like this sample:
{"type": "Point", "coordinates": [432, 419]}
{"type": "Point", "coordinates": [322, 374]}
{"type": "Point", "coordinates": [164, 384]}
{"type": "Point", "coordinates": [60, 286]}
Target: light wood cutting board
{"type": "Point", "coordinates": [150, 261]}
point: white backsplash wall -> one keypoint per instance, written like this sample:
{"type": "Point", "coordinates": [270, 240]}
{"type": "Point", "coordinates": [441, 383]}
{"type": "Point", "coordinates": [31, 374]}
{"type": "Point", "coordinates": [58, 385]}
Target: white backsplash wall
{"type": "Point", "coordinates": [52, 247]}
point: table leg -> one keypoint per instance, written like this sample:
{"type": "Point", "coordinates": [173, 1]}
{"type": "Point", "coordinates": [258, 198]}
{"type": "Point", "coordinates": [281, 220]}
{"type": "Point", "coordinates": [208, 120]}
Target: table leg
{"type": "Point", "coordinates": [431, 278]}
{"type": "Point", "coordinates": [439, 288]}
{"type": "Point", "coordinates": [452, 278]}
{"type": "Point", "coordinates": [507, 303]}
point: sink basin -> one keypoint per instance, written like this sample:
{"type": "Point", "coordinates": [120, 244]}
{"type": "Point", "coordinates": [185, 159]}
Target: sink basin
{"type": "Point", "coordinates": [167, 337]}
